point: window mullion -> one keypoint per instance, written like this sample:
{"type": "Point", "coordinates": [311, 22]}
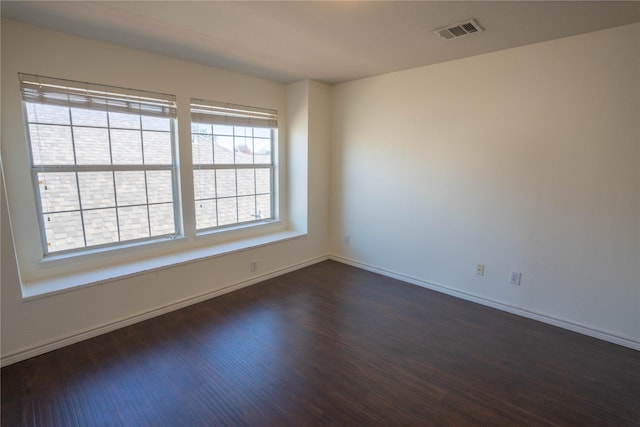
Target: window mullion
{"type": "Point", "coordinates": [77, 179]}
{"type": "Point", "coordinates": [175, 182]}
{"type": "Point", "coordinates": [144, 173]}
{"type": "Point", "coordinates": [272, 190]}
{"type": "Point", "coordinates": [255, 194]}
{"type": "Point", "coordinates": [215, 193]}
{"type": "Point", "coordinates": [100, 168]}
{"type": "Point", "coordinates": [235, 176]}
{"type": "Point", "coordinates": [255, 186]}
{"type": "Point", "coordinates": [84, 231]}
{"type": "Point", "coordinates": [215, 176]}
{"type": "Point", "coordinates": [113, 179]}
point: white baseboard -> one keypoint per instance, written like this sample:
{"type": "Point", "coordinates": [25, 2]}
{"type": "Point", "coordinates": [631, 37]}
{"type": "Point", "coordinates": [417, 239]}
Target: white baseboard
{"type": "Point", "coordinates": [84, 335]}
{"type": "Point", "coordinates": [571, 326]}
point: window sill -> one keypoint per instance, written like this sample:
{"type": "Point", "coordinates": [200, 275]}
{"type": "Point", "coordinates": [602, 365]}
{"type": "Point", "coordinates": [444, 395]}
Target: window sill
{"type": "Point", "coordinates": [51, 286]}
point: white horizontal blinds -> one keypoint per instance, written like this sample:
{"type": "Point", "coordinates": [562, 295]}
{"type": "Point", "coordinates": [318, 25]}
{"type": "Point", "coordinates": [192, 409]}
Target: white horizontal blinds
{"type": "Point", "coordinates": [219, 113]}
{"type": "Point", "coordinates": [103, 163]}
{"type": "Point", "coordinates": [68, 93]}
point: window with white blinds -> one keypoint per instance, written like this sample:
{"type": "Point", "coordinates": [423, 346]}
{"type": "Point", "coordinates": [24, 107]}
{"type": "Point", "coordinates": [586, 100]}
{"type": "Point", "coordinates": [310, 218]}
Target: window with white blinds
{"type": "Point", "coordinates": [102, 161]}
{"type": "Point", "coordinates": [233, 149]}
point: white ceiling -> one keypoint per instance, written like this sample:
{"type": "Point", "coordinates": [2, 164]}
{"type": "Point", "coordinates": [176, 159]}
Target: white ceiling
{"type": "Point", "coordinates": [329, 41]}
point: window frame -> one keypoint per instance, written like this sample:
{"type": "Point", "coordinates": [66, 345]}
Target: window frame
{"type": "Point", "coordinates": [213, 113]}
{"type": "Point", "coordinates": [97, 92]}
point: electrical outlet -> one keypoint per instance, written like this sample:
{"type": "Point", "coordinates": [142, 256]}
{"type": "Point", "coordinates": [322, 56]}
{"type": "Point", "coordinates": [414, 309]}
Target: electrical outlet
{"type": "Point", "coordinates": [480, 269]}
{"type": "Point", "coordinates": [253, 265]}
{"type": "Point", "coordinates": [515, 278]}
{"type": "Point", "coordinates": [347, 240]}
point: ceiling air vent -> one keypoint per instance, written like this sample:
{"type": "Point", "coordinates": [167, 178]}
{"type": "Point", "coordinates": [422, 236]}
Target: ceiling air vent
{"type": "Point", "coordinates": [460, 29]}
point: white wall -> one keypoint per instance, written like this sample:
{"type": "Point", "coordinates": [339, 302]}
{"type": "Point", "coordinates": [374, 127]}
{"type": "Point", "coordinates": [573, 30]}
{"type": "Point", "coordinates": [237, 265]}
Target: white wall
{"type": "Point", "coordinates": [32, 326]}
{"type": "Point", "coordinates": [309, 120]}
{"type": "Point", "coordinates": [523, 160]}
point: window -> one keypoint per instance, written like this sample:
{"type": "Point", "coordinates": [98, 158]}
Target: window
{"type": "Point", "coordinates": [233, 163]}
{"type": "Point", "coordinates": [102, 162]}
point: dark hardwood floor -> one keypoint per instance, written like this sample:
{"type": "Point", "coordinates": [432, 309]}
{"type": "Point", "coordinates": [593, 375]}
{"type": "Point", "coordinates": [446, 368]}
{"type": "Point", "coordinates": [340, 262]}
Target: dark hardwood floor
{"type": "Point", "coordinates": [329, 345]}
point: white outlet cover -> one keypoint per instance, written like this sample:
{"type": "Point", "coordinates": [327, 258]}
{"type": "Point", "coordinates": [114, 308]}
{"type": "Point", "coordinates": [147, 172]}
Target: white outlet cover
{"type": "Point", "coordinates": [515, 278]}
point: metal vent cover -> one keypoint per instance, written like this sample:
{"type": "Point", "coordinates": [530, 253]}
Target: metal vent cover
{"type": "Point", "coordinates": [460, 29]}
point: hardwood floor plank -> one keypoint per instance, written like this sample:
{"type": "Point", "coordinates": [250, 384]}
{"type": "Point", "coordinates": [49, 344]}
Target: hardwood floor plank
{"type": "Point", "coordinates": [329, 345]}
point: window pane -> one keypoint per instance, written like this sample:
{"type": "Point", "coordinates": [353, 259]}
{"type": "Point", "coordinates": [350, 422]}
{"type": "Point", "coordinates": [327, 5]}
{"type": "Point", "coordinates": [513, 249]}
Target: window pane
{"type": "Point", "coordinates": [134, 223]}
{"type": "Point", "coordinates": [262, 150]}
{"type": "Point", "coordinates": [156, 123]}
{"type": "Point", "coordinates": [204, 184]}
{"type": "Point", "coordinates": [262, 133]}
{"type": "Point", "coordinates": [95, 170]}
{"type": "Point", "coordinates": [64, 231]}
{"type": "Point", "coordinates": [92, 146]}
{"type": "Point", "coordinates": [226, 183]}
{"type": "Point", "coordinates": [156, 148]}
{"type": "Point", "coordinates": [126, 147]}
{"type": "Point", "coordinates": [246, 209]}
{"type": "Point", "coordinates": [246, 182]}
{"type": "Point", "coordinates": [51, 145]}
{"type": "Point", "coordinates": [130, 188]}
{"type": "Point", "coordinates": [243, 131]}
{"type": "Point", "coordinates": [42, 113]}
{"type": "Point", "coordinates": [101, 226]}
{"type": "Point", "coordinates": [58, 191]}
{"type": "Point", "coordinates": [96, 190]}
{"type": "Point", "coordinates": [231, 185]}
{"type": "Point", "coordinates": [206, 214]}
{"type": "Point", "coordinates": [263, 206]}
{"type": "Point", "coordinates": [125, 121]}
{"type": "Point", "coordinates": [227, 211]}
{"type": "Point", "coordinates": [159, 186]}
{"type": "Point", "coordinates": [161, 219]}
{"type": "Point", "coordinates": [263, 181]}
{"type": "Point", "coordinates": [82, 117]}
{"type": "Point", "coordinates": [223, 150]}
{"type": "Point", "coordinates": [200, 128]}
{"type": "Point", "coordinates": [244, 151]}
{"type": "Point", "coordinates": [202, 149]}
